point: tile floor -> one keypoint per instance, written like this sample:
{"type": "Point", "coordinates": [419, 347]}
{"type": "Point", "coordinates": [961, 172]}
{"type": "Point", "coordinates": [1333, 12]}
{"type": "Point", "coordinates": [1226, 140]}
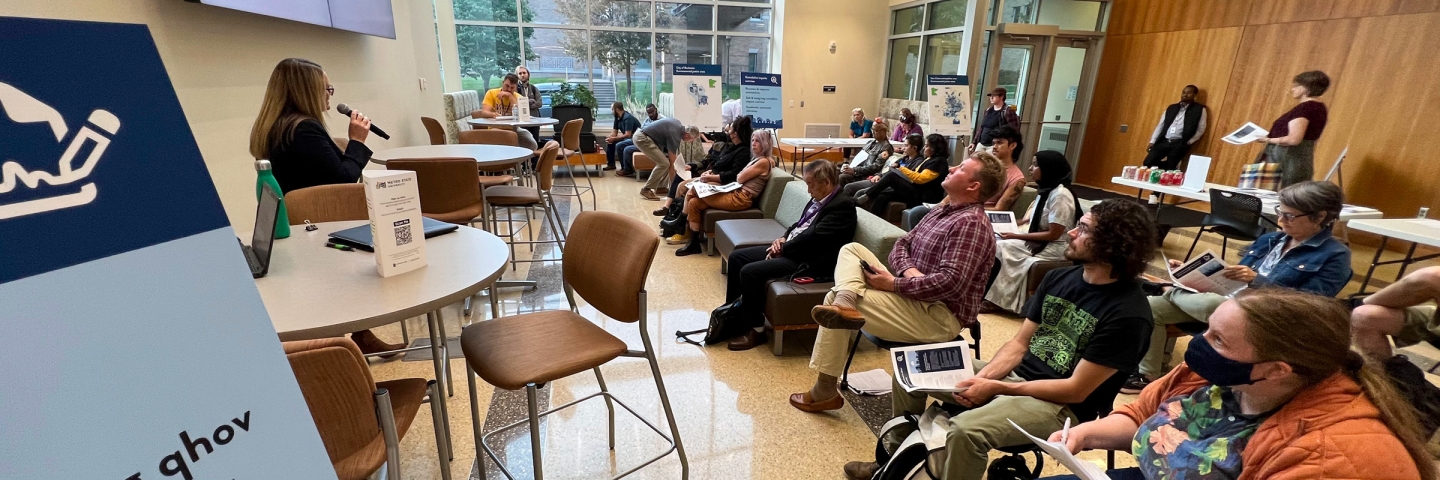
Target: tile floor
{"type": "Point", "coordinates": [731, 406]}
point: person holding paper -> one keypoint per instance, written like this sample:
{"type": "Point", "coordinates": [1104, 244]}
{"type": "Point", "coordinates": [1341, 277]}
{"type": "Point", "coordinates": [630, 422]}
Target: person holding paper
{"type": "Point", "coordinates": [810, 248]}
{"type": "Point", "coordinates": [1053, 212]}
{"type": "Point", "coordinates": [911, 155]}
{"type": "Point", "coordinates": [941, 267]}
{"type": "Point", "coordinates": [1292, 138]}
{"type": "Point", "coordinates": [1180, 126]}
{"type": "Point", "coordinates": [1303, 255]}
{"type": "Point", "coordinates": [290, 132]}
{"type": "Point", "coordinates": [752, 181]}
{"type": "Point", "coordinates": [911, 185]}
{"type": "Point", "coordinates": [619, 138]}
{"type": "Point", "coordinates": [721, 168]}
{"type": "Point", "coordinates": [689, 149]}
{"type": "Point", "coordinates": [878, 153]}
{"type": "Point", "coordinates": [500, 102]}
{"type": "Point", "coordinates": [1084, 331]}
{"type": "Point", "coordinates": [660, 142]}
{"type": "Point", "coordinates": [1271, 391]}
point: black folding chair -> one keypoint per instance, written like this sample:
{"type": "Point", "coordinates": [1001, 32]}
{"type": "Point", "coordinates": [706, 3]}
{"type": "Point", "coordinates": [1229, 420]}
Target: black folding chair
{"type": "Point", "coordinates": [1232, 215]}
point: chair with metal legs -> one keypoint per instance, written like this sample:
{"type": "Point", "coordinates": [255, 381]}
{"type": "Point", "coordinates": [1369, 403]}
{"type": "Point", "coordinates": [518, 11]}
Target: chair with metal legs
{"type": "Point", "coordinates": [511, 197]}
{"type": "Point", "coordinates": [570, 136]}
{"type": "Point", "coordinates": [606, 261]}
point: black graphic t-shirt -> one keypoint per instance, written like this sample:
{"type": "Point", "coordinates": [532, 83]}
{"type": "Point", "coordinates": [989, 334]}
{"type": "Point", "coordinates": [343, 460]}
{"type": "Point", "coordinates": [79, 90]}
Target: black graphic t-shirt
{"type": "Point", "coordinates": [1108, 325]}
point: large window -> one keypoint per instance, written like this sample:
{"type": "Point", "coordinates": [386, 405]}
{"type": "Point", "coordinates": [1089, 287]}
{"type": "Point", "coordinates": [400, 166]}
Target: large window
{"type": "Point", "coordinates": [925, 39]}
{"type": "Point", "coordinates": [620, 49]}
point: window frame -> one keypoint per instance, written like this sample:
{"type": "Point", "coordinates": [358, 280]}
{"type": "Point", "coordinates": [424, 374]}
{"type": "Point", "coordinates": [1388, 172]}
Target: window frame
{"type": "Point", "coordinates": [924, 35]}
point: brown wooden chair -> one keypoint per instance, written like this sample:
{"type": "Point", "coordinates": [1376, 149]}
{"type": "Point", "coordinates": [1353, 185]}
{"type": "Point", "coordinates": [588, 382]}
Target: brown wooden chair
{"type": "Point", "coordinates": [327, 203]}
{"type": "Point", "coordinates": [512, 197]}
{"type": "Point", "coordinates": [360, 421]}
{"type": "Point", "coordinates": [492, 136]}
{"type": "Point", "coordinates": [449, 187]}
{"type": "Point", "coordinates": [434, 129]}
{"type": "Point", "coordinates": [606, 261]}
{"type": "Point", "coordinates": [570, 147]}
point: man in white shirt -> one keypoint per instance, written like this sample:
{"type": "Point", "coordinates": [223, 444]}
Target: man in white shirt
{"type": "Point", "coordinates": [652, 115]}
{"type": "Point", "coordinates": [729, 111]}
{"type": "Point", "coordinates": [1180, 126]}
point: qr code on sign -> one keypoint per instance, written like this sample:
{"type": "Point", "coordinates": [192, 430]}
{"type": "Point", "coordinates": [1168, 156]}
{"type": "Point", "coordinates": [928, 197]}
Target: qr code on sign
{"type": "Point", "coordinates": [403, 236]}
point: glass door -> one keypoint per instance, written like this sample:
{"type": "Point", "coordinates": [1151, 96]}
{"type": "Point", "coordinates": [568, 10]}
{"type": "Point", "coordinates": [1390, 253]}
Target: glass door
{"type": "Point", "coordinates": [1045, 79]}
{"type": "Point", "coordinates": [1059, 125]}
{"type": "Point", "coordinates": [1014, 62]}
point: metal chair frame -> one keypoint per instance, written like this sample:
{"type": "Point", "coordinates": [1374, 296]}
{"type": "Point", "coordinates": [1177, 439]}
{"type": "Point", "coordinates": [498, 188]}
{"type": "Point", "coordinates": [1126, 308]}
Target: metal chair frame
{"type": "Point", "coordinates": [576, 190]}
{"type": "Point", "coordinates": [1225, 221]}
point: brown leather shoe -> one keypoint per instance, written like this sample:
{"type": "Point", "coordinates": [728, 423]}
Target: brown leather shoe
{"type": "Point", "coordinates": [861, 470]}
{"type": "Point", "coordinates": [662, 191]}
{"type": "Point", "coordinates": [837, 317]}
{"type": "Point", "coordinates": [649, 194]}
{"type": "Point", "coordinates": [801, 401]}
{"type": "Point", "coordinates": [369, 343]}
{"type": "Point", "coordinates": [749, 340]}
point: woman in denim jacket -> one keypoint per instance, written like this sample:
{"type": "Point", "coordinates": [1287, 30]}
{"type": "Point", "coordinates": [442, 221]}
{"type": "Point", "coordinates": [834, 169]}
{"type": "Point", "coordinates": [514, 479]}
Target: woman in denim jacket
{"type": "Point", "coordinates": [1303, 255]}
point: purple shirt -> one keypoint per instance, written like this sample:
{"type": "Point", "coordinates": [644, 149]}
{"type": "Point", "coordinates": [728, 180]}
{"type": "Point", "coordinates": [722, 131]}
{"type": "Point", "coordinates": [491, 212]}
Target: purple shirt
{"type": "Point", "coordinates": [954, 246]}
{"type": "Point", "coordinates": [901, 131]}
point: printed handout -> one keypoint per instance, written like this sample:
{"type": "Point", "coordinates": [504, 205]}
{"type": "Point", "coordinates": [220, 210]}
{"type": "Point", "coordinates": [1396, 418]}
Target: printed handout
{"type": "Point", "coordinates": [681, 168]}
{"type": "Point", "coordinates": [1206, 274]}
{"type": "Point", "coordinates": [703, 190]}
{"type": "Point", "coordinates": [1248, 133]}
{"type": "Point", "coordinates": [859, 159]}
{"type": "Point", "coordinates": [1083, 469]}
{"type": "Point", "coordinates": [1002, 222]}
{"type": "Point", "coordinates": [936, 367]}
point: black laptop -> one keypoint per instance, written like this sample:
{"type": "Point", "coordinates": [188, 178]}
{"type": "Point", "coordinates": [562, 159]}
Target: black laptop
{"type": "Point", "coordinates": [257, 254]}
{"type": "Point", "coordinates": [359, 237]}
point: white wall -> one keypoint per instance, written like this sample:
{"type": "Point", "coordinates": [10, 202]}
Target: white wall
{"type": "Point", "coordinates": [220, 60]}
{"type": "Point", "coordinates": [856, 69]}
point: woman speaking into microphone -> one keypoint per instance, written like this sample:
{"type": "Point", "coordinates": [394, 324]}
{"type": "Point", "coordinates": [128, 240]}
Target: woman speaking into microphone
{"type": "Point", "coordinates": [290, 133]}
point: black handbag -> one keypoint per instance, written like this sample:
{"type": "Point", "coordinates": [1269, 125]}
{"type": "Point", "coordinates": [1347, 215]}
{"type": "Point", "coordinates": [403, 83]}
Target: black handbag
{"type": "Point", "coordinates": [724, 325]}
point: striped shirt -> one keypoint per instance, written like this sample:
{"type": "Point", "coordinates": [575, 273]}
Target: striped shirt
{"type": "Point", "coordinates": [954, 246]}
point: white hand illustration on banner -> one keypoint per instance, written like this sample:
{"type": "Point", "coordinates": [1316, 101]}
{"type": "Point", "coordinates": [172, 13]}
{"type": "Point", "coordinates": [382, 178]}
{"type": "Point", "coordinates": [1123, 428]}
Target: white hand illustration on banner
{"type": "Point", "coordinates": [23, 108]}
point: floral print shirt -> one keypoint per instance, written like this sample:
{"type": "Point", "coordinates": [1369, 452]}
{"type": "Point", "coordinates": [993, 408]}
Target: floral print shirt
{"type": "Point", "coordinates": [1196, 437]}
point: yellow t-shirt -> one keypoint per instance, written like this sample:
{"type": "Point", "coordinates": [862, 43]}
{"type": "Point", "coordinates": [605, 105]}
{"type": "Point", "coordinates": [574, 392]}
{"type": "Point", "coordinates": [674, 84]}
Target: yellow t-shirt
{"type": "Point", "coordinates": [501, 103]}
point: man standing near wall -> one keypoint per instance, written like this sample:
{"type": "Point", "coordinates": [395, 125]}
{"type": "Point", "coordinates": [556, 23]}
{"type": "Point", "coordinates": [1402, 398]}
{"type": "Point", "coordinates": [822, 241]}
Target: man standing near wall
{"type": "Point", "coordinates": [527, 90]}
{"type": "Point", "coordinates": [1180, 126]}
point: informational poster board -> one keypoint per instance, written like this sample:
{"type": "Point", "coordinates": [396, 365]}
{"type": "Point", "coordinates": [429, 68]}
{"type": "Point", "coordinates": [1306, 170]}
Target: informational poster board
{"type": "Point", "coordinates": [697, 95]}
{"type": "Point", "coordinates": [761, 99]}
{"type": "Point", "coordinates": [138, 346]}
{"type": "Point", "coordinates": [950, 105]}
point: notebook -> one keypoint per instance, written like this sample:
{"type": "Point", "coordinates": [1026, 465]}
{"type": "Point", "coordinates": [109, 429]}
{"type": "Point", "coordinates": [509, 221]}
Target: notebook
{"type": "Point", "coordinates": [359, 237]}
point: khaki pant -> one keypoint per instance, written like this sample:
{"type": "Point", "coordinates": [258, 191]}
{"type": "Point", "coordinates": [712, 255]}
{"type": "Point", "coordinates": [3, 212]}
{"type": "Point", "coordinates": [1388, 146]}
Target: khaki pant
{"type": "Point", "coordinates": [660, 175]}
{"type": "Point", "coordinates": [1421, 325]}
{"type": "Point", "coordinates": [974, 432]}
{"type": "Point", "coordinates": [887, 315]}
{"type": "Point", "coordinates": [1174, 307]}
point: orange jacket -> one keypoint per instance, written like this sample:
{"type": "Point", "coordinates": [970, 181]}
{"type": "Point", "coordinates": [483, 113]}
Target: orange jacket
{"type": "Point", "coordinates": [1328, 431]}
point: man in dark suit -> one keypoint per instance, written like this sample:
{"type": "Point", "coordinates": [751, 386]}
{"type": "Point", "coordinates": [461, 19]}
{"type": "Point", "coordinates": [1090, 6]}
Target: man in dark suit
{"type": "Point", "coordinates": [808, 248]}
{"type": "Point", "coordinates": [1182, 124]}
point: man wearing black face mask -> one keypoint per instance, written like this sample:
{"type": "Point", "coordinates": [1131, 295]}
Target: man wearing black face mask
{"type": "Point", "coordinates": [1085, 328]}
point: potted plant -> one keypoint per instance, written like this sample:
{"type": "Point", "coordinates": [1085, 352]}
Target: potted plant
{"type": "Point", "coordinates": [574, 101]}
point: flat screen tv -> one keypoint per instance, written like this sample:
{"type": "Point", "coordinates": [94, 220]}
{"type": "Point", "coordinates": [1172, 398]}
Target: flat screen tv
{"type": "Point", "coordinates": [370, 17]}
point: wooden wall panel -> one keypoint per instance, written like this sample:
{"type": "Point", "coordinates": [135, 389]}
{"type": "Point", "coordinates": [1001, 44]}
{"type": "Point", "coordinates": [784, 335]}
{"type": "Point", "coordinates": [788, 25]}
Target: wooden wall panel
{"type": "Point", "coordinates": [1282, 11]}
{"type": "Point", "coordinates": [1378, 114]}
{"type": "Point", "coordinates": [1259, 84]}
{"type": "Point", "coordinates": [1139, 76]}
{"type": "Point", "coordinates": [1129, 17]}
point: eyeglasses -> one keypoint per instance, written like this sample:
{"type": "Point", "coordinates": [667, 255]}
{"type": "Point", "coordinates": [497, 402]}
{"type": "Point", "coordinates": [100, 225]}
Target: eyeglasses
{"type": "Point", "coordinates": [1082, 228]}
{"type": "Point", "coordinates": [330, 89]}
{"type": "Point", "coordinates": [1290, 216]}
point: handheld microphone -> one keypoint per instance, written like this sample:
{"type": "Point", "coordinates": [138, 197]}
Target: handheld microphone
{"type": "Point", "coordinates": [345, 110]}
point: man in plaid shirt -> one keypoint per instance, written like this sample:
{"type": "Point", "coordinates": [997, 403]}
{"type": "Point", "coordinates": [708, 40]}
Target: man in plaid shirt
{"type": "Point", "coordinates": [943, 264]}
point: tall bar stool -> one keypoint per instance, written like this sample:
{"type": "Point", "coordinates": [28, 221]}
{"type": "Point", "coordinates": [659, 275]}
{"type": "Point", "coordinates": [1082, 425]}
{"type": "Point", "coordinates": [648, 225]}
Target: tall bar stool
{"type": "Point", "coordinates": [492, 176]}
{"type": "Point", "coordinates": [510, 197]}
{"type": "Point", "coordinates": [570, 136]}
{"type": "Point", "coordinates": [606, 261]}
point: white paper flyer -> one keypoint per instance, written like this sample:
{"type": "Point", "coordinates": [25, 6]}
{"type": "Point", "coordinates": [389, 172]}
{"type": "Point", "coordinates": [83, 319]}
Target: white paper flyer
{"type": "Point", "coordinates": [393, 197]}
{"type": "Point", "coordinates": [937, 367]}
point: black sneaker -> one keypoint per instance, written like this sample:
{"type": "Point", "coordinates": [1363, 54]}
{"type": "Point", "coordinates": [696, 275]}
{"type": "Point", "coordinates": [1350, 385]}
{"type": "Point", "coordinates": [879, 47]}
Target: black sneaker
{"type": "Point", "coordinates": [1135, 384]}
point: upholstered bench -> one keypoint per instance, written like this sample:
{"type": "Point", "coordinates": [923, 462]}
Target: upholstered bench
{"type": "Point", "coordinates": [732, 235]}
{"type": "Point", "coordinates": [787, 304]}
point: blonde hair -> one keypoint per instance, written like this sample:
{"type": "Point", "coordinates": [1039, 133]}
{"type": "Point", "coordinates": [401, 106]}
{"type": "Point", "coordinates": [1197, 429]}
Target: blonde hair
{"type": "Point", "coordinates": [1275, 317]}
{"type": "Point", "coordinates": [991, 175]}
{"type": "Point", "coordinates": [880, 130]}
{"type": "Point", "coordinates": [766, 137]}
{"type": "Point", "coordinates": [296, 92]}
{"type": "Point", "coordinates": [860, 111]}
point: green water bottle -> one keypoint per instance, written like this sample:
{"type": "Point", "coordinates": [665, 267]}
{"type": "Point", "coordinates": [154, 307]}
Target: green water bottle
{"type": "Point", "coordinates": [266, 177]}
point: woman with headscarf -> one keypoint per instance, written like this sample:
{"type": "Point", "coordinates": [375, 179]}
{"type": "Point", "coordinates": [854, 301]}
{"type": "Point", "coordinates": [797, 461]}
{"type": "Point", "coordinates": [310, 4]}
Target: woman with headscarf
{"type": "Point", "coordinates": [1054, 212]}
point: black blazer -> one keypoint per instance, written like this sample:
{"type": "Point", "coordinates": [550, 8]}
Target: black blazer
{"type": "Point", "coordinates": [312, 158]}
{"type": "Point", "coordinates": [818, 247]}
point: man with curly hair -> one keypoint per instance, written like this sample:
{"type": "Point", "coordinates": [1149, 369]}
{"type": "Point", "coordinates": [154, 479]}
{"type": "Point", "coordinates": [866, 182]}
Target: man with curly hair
{"type": "Point", "coordinates": [1085, 330]}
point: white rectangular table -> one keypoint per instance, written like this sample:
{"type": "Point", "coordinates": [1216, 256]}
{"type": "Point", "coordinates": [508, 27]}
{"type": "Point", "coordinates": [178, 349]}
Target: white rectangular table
{"type": "Point", "coordinates": [1269, 200]}
{"type": "Point", "coordinates": [1417, 231]}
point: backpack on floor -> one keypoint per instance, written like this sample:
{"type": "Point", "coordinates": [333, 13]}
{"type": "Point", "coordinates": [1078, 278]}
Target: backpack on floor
{"type": "Point", "coordinates": [912, 448]}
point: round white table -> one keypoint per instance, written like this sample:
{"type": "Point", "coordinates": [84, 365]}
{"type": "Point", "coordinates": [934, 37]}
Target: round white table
{"type": "Point", "coordinates": [484, 155]}
{"type": "Point", "coordinates": [512, 122]}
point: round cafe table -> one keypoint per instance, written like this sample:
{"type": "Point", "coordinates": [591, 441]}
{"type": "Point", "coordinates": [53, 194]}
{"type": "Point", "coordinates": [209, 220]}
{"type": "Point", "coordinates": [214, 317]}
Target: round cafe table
{"type": "Point", "coordinates": [484, 155]}
{"type": "Point", "coordinates": [312, 291]}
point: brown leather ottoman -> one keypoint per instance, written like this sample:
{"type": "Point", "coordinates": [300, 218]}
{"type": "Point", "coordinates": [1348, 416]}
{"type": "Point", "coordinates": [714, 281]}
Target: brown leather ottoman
{"type": "Point", "coordinates": [732, 235]}
{"type": "Point", "coordinates": [641, 163]}
{"type": "Point", "coordinates": [715, 215]}
{"type": "Point", "coordinates": [787, 307]}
